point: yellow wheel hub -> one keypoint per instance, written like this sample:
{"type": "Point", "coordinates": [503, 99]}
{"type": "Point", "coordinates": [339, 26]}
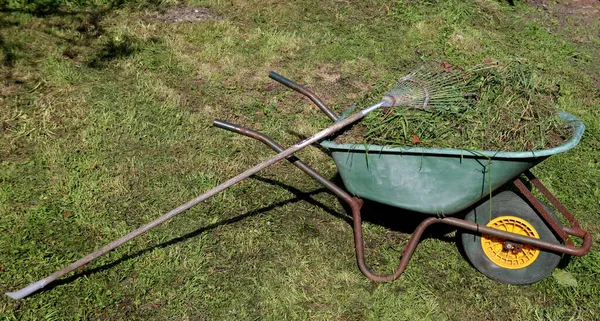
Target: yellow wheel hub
{"type": "Point", "coordinates": [504, 253]}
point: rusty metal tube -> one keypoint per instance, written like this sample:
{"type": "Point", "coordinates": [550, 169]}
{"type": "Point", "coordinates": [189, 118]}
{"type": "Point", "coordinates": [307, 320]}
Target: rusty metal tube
{"type": "Point", "coordinates": [554, 225]}
{"type": "Point", "coordinates": [574, 231]}
{"type": "Point", "coordinates": [562, 231]}
{"type": "Point", "coordinates": [561, 208]}
{"type": "Point", "coordinates": [560, 248]}
{"type": "Point", "coordinates": [292, 159]}
{"type": "Point", "coordinates": [304, 91]}
{"type": "Point", "coordinates": [410, 247]}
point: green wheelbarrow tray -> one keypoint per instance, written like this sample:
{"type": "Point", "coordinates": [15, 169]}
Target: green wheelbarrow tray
{"type": "Point", "coordinates": [440, 181]}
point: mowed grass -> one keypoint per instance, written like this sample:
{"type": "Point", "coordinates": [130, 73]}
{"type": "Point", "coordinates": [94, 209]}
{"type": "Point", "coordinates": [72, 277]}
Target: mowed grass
{"type": "Point", "coordinates": [106, 123]}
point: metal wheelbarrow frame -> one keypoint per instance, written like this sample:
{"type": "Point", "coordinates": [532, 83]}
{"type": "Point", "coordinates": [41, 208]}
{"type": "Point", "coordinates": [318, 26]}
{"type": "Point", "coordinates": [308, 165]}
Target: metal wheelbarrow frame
{"type": "Point", "coordinates": [362, 175]}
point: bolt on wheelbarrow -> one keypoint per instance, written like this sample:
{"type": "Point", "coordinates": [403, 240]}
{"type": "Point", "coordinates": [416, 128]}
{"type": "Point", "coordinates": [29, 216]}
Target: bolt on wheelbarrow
{"type": "Point", "coordinates": [516, 256]}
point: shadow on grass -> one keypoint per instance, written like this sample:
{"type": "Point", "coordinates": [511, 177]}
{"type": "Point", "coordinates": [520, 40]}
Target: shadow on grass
{"type": "Point", "coordinates": [375, 213]}
{"type": "Point", "coordinates": [9, 52]}
{"type": "Point", "coordinates": [403, 221]}
{"type": "Point", "coordinates": [47, 8]}
{"type": "Point", "coordinates": [80, 27]}
{"type": "Point", "coordinates": [113, 50]}
{"type": "Point", "coordinates": [300, 196]}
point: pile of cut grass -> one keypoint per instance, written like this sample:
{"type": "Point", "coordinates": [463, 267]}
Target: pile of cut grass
{"type": "Point", "coordinates": [516, 110]}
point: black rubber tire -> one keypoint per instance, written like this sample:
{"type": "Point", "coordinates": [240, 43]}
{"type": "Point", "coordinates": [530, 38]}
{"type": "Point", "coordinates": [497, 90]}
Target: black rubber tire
{"type": "Point", "coordinates": [509, 203]}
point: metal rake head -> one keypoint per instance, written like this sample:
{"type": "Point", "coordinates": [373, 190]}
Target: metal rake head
{"type": "Point", "coordinates": [436, 86]}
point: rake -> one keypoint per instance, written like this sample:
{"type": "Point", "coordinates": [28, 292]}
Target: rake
{"type": "Point", "coordinates": [430, 86]}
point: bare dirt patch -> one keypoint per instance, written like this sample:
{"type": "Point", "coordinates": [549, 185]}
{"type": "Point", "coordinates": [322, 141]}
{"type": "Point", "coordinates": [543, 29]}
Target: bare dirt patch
{"type": "Point", "coordinates": [328, 73]}
{"type": "Point", "coordinates": [185, 14]}
{"type": "Point", "coordinates": [585, 7]}
{"type": "Point", "coordinates": [578, 21]}
{"type": "Point", "coordinates": [571, 13]}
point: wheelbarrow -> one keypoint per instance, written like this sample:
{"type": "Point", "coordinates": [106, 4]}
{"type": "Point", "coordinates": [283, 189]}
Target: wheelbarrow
{"type": "Point", "coordinates": [508, 235]}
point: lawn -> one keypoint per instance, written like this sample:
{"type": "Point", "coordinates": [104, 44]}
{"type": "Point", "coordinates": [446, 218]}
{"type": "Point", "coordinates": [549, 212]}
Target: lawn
{"type": "Point", "coordinates": [106, 111]}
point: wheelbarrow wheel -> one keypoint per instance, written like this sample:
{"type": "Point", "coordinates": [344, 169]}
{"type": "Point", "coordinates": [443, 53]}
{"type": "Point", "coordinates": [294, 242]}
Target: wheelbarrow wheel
{"type": "Point", "coordinates": [510, 262]}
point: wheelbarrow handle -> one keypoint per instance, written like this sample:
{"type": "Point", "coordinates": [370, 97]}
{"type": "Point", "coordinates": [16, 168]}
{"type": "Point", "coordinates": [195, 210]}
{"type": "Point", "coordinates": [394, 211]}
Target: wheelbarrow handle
{"type": "Point", "coordinates": [316, 100]}
{"type": "Point", "coordinates": [292, 159]}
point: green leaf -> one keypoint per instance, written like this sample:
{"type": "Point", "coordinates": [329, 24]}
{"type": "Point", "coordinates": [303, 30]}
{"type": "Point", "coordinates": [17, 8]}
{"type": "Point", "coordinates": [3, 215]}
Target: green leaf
{"type": "Point", "coordinates": [564, 278]}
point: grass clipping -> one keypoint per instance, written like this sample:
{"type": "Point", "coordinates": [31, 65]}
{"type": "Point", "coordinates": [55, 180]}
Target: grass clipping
{"type": "Point", "coordinates": [515, 110]}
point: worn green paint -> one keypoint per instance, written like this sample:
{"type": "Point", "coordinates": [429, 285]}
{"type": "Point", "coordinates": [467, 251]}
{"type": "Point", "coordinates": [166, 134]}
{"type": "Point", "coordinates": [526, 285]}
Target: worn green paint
{"type": "Point", "coordinates": [434, 180]}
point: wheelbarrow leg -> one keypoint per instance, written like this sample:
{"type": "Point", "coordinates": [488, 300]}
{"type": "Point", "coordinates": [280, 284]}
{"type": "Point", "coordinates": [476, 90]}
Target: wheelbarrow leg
{"type": "Point", "coordinates": [407, 252]}
{"type": "Point", "coordinates": [354, 203]}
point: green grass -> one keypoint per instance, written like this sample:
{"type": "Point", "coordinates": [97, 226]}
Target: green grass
{"type": "Point", "coordinates": [511, 109]}
{"type": "Point", "coordinates": [105, 124]}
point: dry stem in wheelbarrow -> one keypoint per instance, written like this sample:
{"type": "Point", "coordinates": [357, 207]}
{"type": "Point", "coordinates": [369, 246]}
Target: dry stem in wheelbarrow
{"type": "Point", "coordinates": [425, 87]}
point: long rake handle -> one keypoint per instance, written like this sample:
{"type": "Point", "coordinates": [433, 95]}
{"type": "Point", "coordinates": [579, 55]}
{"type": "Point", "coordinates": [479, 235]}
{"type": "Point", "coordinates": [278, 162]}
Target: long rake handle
{"type": "Point", "coordinates": [38, 285]}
